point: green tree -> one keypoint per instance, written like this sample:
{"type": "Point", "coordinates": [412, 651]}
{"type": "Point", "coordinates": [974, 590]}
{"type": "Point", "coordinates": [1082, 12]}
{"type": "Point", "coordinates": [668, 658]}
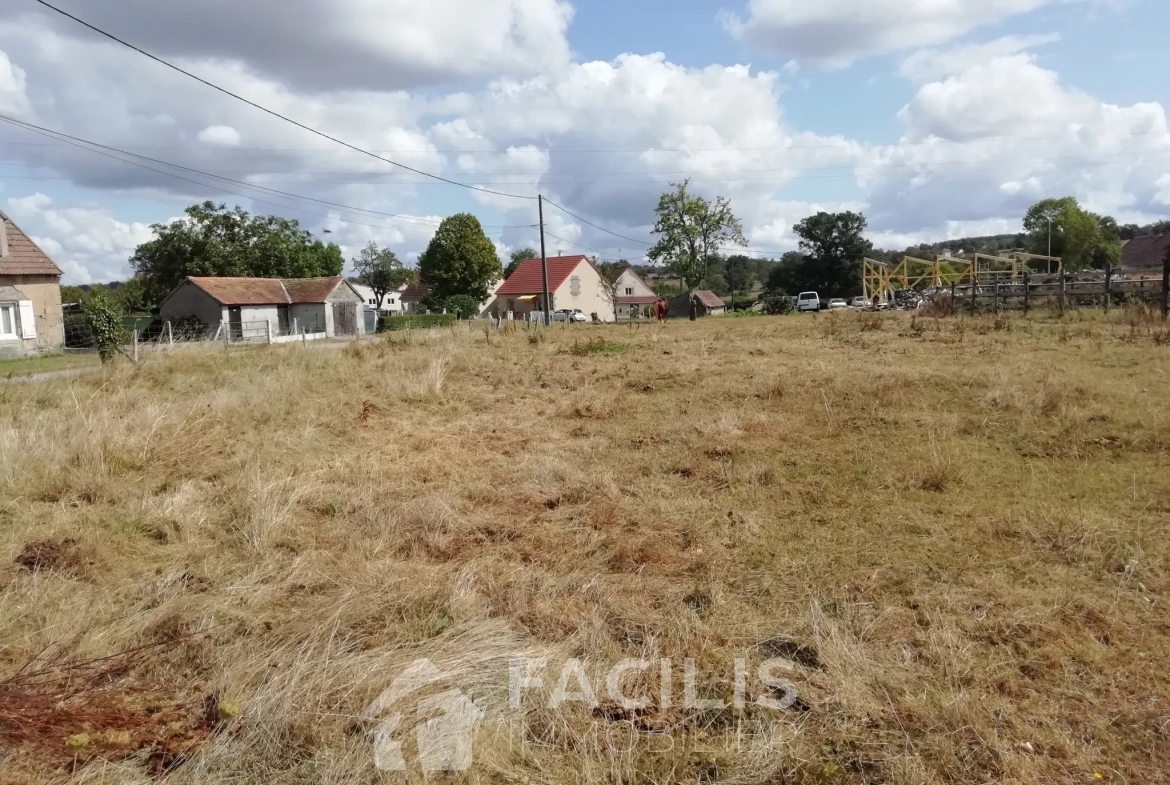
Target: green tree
{"type": "Point", "coordinates": [690, 231]}
{"type": "Point", "coordinates": [104, 319]}
{"type": "Point", "coordinates": [516, 257]}
{"type": "Point", "coordinates": [1080, 238]}
{"type": "Point", "coordinates": [215, 241]}
{"type": "Point", "coordinates": [832, 246]}
{"type": "Point", "coordinates": [460, 260]}
{"type": "Point", "coordinates": [741, 272]}
{"type": "Point", "coordinates": [379, 269]}
{"type": "Point", "coordinates": [782, 278]}
{"type": "Point", "coordinates": [463, 306]}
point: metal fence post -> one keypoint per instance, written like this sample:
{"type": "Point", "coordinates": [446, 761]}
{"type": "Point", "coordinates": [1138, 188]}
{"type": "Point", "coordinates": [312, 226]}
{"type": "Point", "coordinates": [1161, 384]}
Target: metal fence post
{"type": "Point", "coordinates": [170, 335]}
{"type": "Point", "coordinates": [226, 337]}
{"type": "Point", "coordinates": [1062, 289]}
{"type": "Point", "coordinates": [997, 296]}
{"type": "Point", "coordinates": [1027, 292]}
{"type": "Point", "coordinates": [136, 346]}
{"type": "Point", "coordinates": [1108, 286]}
{"type": "Point", "coordinates": [268, 332]}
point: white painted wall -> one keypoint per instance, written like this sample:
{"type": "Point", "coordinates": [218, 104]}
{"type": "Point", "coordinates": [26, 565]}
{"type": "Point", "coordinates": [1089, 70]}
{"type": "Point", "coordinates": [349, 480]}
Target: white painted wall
{"type": "Point", "coordinates": [629, 280]}
{"type": "Point", "coordinates": [590, 297]}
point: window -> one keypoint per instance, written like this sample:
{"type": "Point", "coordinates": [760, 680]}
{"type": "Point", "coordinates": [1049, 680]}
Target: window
{"type": "Point", "coordinates": [629, 290]}
{"type": "Point", "coordinates": [7, 321]}
{"type": "Point", "coordinates": [575, 286]}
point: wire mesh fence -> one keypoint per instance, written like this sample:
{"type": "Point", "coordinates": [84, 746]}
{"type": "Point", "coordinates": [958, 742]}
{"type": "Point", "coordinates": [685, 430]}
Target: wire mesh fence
{"type": "Point", "coordinates": [145, 336]}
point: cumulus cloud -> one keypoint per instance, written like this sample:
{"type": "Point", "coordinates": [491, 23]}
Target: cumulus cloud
{"type": "Point", "coordinates": [990, 139]}
{"type": "Point", "coordinates": [603, 138]}
{"type": "Point", "coordinates": [346, 44]}
{"type": "Point", "coordinates": [837, 32]}
{"type": "Point", "coordinates": [87, 244]}
{"type": "Point", "coordinates": [221, 135]}
{"type": "Point", "coordinates": [13, 100]}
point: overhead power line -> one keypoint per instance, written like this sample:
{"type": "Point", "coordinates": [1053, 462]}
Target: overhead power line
{"type": "Point", "coordinates": [81, 144]}
{"type": "Point", "coordinates": [275, 114]}
{"type": "Point", "coordinates": [221, 189]}
{"type": "Point", "coordinates": [595, 226]}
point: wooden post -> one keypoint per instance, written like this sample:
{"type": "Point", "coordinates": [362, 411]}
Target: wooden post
{"type": "Point", "coordinates": [974, 292]}
{"type": "Point", "coordinates": [1108, 286]}
{"type": "Point", "coordinates": [1166, 285]}
{"type": "Point", "coordinates": [1062, 288]}
{"type": "Point", "coordinates": [952, 296]}
{"type": "Point", "coordinates": [997, 295]}
{"type": "Point", "coordinates": [136, 346]}
{"type": "Point", "coordinates": [1027, 292]}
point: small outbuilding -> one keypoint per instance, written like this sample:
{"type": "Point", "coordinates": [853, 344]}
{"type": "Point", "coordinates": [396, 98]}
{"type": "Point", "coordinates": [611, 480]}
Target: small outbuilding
{"type": "Point", "coordinates": [253, 308]}
{"type": "Point", "coordinates": [706, 303]}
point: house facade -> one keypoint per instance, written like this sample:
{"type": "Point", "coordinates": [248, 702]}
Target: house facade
{"type": "Point", "coordinates": [633, 296]}
{"type": "Point", "coordinates": [391, 301]}
{"type": "Point", "coordinates": [254, 308]}
{"type": "Point", "coordinates": [31, 321]}
{"type": "Point", "coordinates": [573, 282]}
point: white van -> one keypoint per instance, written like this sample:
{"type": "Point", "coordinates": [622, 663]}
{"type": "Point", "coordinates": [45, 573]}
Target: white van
{"type": "Point", "coordinates": [808, 301]}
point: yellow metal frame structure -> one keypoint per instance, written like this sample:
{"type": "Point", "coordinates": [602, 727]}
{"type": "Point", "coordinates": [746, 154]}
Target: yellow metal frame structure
{"type": "Point", "coordinates": [881, 279]}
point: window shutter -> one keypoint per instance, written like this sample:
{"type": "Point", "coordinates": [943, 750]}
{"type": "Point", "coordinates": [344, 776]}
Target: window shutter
{"type": "Point", "coordinates": [28, 320]}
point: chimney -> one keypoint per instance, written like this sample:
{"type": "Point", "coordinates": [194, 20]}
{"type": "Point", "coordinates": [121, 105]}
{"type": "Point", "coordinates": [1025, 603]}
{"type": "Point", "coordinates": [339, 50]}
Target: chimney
{"type": "Point", "coordinates": [3, 236]}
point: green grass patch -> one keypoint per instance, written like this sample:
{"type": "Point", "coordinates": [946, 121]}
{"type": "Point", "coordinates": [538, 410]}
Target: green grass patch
{"type": "Point", "coordinates": [27, 366]}
{"type": "Point", "coordinates": [416, 321]}
{"type": "Point", "coordinates": [597, 346]}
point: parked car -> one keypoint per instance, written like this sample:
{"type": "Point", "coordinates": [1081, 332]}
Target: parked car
{"type": "Point", "coordinates": [569, 315]}
{"type": "Point", "coordinates": [860, 302]}
{"type": "Point", "coordinates": [837, 304]}
{"type": "Point", "coordinates": [808, 301]}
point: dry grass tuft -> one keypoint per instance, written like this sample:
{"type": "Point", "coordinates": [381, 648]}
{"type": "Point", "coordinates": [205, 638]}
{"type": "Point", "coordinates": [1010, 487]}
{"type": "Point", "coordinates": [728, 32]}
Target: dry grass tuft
{"type": "Point", "coordinates": [954, 531]}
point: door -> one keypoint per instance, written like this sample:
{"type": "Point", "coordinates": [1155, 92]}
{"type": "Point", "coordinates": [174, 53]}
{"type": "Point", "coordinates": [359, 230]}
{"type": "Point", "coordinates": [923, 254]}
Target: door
{"type": "Point", "coordinates": [235, 323]}
{"type": "Point", "coordinates": [345, 319]}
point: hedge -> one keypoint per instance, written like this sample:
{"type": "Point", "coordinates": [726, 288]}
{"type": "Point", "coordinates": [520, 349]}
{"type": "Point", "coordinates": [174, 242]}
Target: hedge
{"type": "Point", "coordinates": [415, 321]}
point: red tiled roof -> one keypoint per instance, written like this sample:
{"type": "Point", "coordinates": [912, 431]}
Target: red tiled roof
{"type": "Point", "coordinates": [24, 256]}
{"type": "Point", "coordinates": [1148, 251]}
{"type": "Point", "coordinates": [311, 290]}
{"type": "Point", "coordinates": [528, 277]}
{"type": "Point", "coordinates": [268, 291]}
{"type": "Point", "coordinates": [415, 293]}
{"type": "Point", "coordinates": [709, 299]}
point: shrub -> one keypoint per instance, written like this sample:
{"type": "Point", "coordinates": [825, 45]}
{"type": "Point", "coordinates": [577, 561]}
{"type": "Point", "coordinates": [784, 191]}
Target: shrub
{"type": "Point", "coordinates": [104, 320]}
{"type": "Point", "coordinates": [463, 306]}
{"type": "Point", "coordinates": [415, 321]}
{"type": "Point", "coordinates": [777, 304]}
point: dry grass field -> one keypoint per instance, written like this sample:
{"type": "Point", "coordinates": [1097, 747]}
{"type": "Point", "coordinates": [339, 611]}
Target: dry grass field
{"type": "Point", "coordinates": [212, 563]}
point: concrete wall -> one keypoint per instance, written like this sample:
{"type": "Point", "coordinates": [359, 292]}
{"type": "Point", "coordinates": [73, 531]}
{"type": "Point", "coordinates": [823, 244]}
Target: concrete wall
{"type": "Point", "coordinates": [590, 297]}
{"type": "Point", "coordinates": [44, 292]}
{"type": "Point", "coordinates": [189, 300]}
{"type": "Point", "coordinates": [313, 316]}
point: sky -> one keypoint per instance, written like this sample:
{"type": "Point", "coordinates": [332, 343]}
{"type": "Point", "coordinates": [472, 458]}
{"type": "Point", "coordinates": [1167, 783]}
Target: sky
{"type": "Point", "coordinates": [937, 119]}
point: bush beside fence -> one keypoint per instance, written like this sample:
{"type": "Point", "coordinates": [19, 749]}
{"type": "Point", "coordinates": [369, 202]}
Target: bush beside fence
{"type": "Point", "coordinates": [415, 321]}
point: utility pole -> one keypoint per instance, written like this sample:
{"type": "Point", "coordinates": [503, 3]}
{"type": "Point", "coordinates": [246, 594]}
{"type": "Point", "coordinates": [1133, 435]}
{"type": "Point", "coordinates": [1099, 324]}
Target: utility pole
{"type": "Point", "coordinates": [544, 262]}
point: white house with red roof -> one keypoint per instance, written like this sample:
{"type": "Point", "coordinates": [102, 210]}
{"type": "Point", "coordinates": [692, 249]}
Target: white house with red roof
{"type": "Point", "coordinates": [633, 296]}
{"type": "Point", "coordinates": [573, 282]}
